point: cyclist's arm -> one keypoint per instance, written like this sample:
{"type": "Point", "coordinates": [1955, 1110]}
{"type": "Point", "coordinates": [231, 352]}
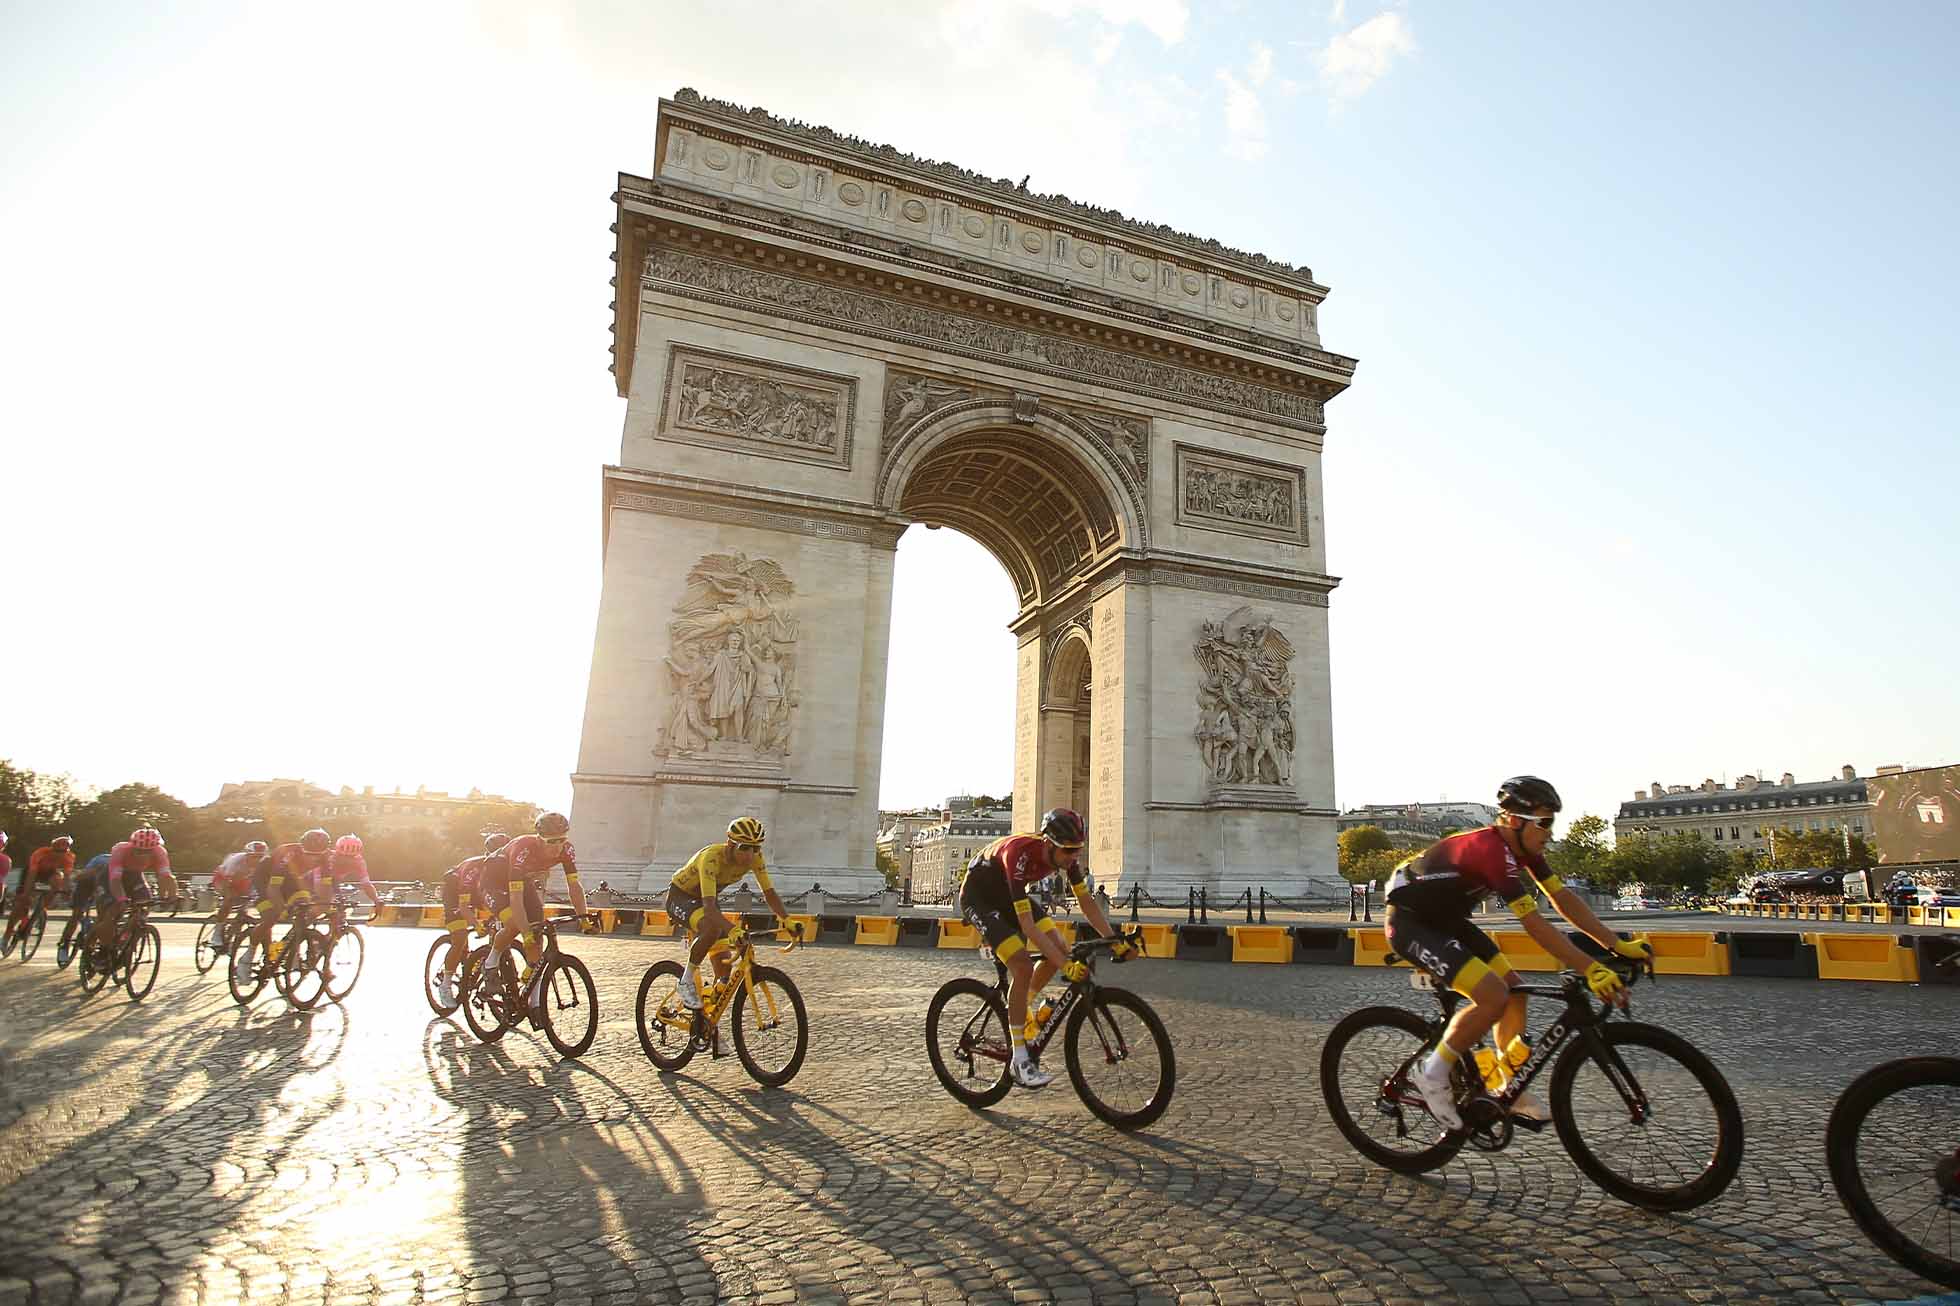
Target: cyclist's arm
{"type": "Point", "coordinates": [1524, 905]}
{"type": "Point", "coordinates": [775, 901]}
{"type": "Point", "coordinates": [577, 890]}
{"type": "Point", "coordinates": [1574, 908]}
{"type": "Point", "coordinates": [1092, 909]}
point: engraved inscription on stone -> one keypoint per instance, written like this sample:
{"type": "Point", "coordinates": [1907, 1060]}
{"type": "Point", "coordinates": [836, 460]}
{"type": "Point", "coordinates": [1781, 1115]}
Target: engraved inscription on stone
{"type": "Point", "coordinates": [732, 662]}
{"type": "Point", "coordinates": [1245, 496]}
{"type": "Point", "coordinates": [1245, 700]}
{"type": "Point", "coordinates": [798, 413]}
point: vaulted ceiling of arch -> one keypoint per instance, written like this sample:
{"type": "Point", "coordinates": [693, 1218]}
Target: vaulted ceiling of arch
{"type": "Point", "coordinates": [1034, 507]}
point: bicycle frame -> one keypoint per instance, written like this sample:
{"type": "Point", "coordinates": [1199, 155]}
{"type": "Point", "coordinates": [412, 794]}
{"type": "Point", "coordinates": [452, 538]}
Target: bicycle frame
{"type": "Point", "coordinates": [1076, 991]}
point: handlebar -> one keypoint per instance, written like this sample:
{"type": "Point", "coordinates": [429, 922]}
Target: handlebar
{"type": "Point", "coordinates": [1083, 949]}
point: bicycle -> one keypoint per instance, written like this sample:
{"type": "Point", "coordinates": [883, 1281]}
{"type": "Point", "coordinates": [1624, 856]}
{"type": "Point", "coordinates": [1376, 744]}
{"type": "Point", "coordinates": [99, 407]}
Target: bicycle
{"type": "Point", "coordinates": [672, 1032]}
{"type": "Point", "coordinates": [73, 935]}
{"type": "Point", "coordinates": [130, 958]}
{"type": "Point", "coordinates": [340, 949]}
{"type": "Point", "coordinates": [32, 926]}
{"type": "Point", "coordinates": [217, 938]}
{"type": "Point", "coordinates": [482, 926]}
{"type": "Point", "coordinates": [1893, 1150]}
{"type": "Point", "coordinates": [559, 983]}
{"type": "Point", "coordinates": [287, 961]}
{"type": "Point", "coordinates": [971, 1053]}
{"type": "Point", "coordinates": [1366, 1062]}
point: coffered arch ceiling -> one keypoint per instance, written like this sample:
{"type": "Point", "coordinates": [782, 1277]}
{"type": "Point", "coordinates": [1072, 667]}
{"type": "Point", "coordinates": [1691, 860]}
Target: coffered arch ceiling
{"type": "Point", "coordinates": [1032, 504]}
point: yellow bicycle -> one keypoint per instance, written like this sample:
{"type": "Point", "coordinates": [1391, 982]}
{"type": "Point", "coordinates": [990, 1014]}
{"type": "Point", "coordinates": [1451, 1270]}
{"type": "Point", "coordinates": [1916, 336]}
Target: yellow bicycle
{"type": "Point", "coordinates": [766, 1012]}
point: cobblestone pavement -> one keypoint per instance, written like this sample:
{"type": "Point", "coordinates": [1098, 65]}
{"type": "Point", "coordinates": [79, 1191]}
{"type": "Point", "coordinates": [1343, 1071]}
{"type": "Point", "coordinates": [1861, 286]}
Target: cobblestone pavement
{"type": "Point", "coordinates": [185, 1150]}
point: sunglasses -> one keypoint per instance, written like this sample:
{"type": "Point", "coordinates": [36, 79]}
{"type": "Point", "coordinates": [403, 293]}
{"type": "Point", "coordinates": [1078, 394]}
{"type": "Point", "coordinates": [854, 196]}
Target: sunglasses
{"type": "Point", "coordinates": [552, 838]}
{"type": "Point", "coordinates": [1542, 822]}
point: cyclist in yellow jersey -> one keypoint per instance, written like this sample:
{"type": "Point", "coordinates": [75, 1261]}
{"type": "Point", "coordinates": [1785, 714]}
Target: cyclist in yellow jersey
{"type": "Point", "coordinates": [691, 896]}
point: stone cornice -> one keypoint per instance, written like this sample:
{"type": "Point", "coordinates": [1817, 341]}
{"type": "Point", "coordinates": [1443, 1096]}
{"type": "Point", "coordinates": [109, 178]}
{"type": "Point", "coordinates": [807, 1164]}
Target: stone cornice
{"type": "Point", "coordinates": [741, 283]}
{"type": "Point", "coordinates": [1180, 571]}
{"type": "Point", "coordinates": [641, 202]}
{"type": "Point", "coordinates": [691, 104]}
{"type": "Point", "coordinates": [700, 499]}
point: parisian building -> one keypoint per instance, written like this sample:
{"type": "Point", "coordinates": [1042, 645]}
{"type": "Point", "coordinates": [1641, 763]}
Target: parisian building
{"type": "Point", "coordinates": [1417, 825]}
{"type": "Point", "coordinates": [1744, 814]}
{"type": "Point", "coordinates": [941, 851]}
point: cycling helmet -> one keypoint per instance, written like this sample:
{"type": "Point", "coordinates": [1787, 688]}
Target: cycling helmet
{"type": "Point", "coordinates": [1063, 827]}
{"type": "Point", "coordinates": [1525, 794]}
{"type": "Point", "coordinates": [494, 841]}
{"type": "Point", "coordinates": [146, 839]}
{"type": "Point", "coordinates": [552, 825]}
{"type": "Point", "coordinates": [745, 830]}
{"type": "Point", "coordinates": [315, 841]}
{"type": "Point", "coordinates": [63, 841]}
{"type": "Point", "coordinates": [349, 845]}
{"type": "Point", "coordinates": [3, 838]}
{"type": "Point", "coordinates": [256, 848]}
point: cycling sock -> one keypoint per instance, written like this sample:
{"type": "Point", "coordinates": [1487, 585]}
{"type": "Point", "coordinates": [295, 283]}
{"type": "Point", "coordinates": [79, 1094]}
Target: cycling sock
{"type": "Point", "coordinates": [1441, 1061]}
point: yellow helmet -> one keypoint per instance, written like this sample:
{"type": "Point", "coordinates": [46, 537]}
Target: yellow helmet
{"type": "Point", "coordinates": [745, 830]}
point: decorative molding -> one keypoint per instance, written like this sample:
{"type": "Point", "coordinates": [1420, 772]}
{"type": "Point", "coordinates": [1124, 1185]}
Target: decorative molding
{"type": "Point", "coordinates": [1059, 637]}
{"type": "Point", "coordinates": [1240, 495]}
{"type": "Point", "coordinates": [1230, 800]}
{"type": "Point", "coordinates": [689, 507]}
{"type": "Point", "coordinates": [757, 406]}
{"type": "Point", "coordinates": [826, 305]}
{"type": "Point", "coordinates": [1210, 584]}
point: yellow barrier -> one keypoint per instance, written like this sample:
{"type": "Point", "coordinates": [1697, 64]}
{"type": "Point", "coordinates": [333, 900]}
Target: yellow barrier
{"type": "Point", "coordinates": [433, 916]}
{"type": "Point", "coordinates": [958, 934]}
{"type": "Point", "coordinates": [656, 922]}
{"type": "Point", "coordinates": [1917, 916]}
{"type": "Point", "coordinates": [1688, 952]}
{"type": "Point", "coordinates": [608, 918]}
{"type": "Point", "coordinates": [1881, 914]}
{"type": "Point", "coordinates": [1952, 916]}
{"type": "Point", "coordinates": [1159, 940]}
{"type": "Point", "coordinates": [1864, 957]}
{"type": "Point", "coordinates": [385, 915]}
{"type": "Point", "coordinates": [1523, 952]}
{"type": "Point", "coordinates": [1261, 943]}
{"type": "Point", "coordinates": [1370, 947]}
{"type": "Point", "coordinates": [879, 931]}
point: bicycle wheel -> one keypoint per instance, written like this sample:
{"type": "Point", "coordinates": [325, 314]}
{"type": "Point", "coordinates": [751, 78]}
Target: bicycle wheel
{"type": "Point", "coordinates": [37, 925]}
{"type": "Point", "coordinates": [210, 937]}
{"type": "Point", "coordinates": [1123, 1068]}
{"type": "Point", "coordinates": [772, 1051]}
{"type": "Point", "coordinates": [434, 964]}
{"type": "Point", "coordinates": [344, 963]}
{"type": "Point", "coordinates": [95, 967]}
{"type": "Point", "coordinates": [145, 955]}
{"type": "Point", "coordinates": [302, 968]}
{"type": "Point", "coordinates": [568, 1005]}
{"type": "Point", "coordinates": [966, 1038]}
{"type": "Point", "coordinates": [486, 997]}
{"type": "Point", "coordinates": [243, 991]}
{"type": "Point", "coordinates": [7, 940]}
{"type": "Point", "coordinates": [1650, 1119]}
{"type": "Point", "coordinates": [1893, 1146]}
{"type": "Point", "coordinates": [64, 948]}
{"type": "Point", "coordinates": [1364, 1077]}
{"type": "Point", "coordinates": [666, 1026]}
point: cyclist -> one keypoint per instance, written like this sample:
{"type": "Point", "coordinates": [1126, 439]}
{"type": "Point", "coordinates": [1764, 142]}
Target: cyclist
{"type": "Point", "coordinates": [51, 865]}
{"type": "Point", "coordinates": [462, 895]}
{"type": "Point", "coordinates": [1431, 897]}
{"type": "Point", "coordinates": [6, 872]}
{"type": "Point", "coordinates": [995, 895]}
{"type": "Point", "coordinates": [345, 865]}
{"type": "Point", "coordinates": [123, 878]}
{"type": "Point", "coordinates": [513, 886]}
{"type": "Point", "coordinates": [691, 897]}
{"type": "Point", "coordinates": [88, 882]}
{"type": "Point", "coordinates": [232, 881]}
{"type": "Point", "coordinates": [284, 879]}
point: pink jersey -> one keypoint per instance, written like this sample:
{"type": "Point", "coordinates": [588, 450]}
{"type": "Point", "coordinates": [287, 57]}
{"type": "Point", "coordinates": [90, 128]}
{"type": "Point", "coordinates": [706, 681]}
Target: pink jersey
{"type": "Point", "coordinates": [531, 858]}
{"type": "Point", "coordinates": [344, 868]}
{"type": "Point", "coordinates": [126, 858]}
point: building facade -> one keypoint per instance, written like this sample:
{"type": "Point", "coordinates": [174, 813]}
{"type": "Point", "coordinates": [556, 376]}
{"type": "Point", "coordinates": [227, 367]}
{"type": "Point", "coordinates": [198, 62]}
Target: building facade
{"type": "Point", "coordinates": [942, 850]}
{"type": "Point", "coordinates": [1744, 815]}
{"type": "Point", "coordinates": [289, 803]}
{"type": "Point", "coordinates": [1415, 825]}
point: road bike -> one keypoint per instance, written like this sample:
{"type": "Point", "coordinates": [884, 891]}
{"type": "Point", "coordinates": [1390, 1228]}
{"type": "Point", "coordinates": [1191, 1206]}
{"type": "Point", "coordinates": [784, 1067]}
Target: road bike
{"type": "Point", "coordinates": [482, 927]}
{"type": "Point", "coordinates": [557, 994]}
{"type": "Point", "coordinates": [73, 935]}
{"type": "Point", "coordinates": [33, 925]}
{"type": "Point", "coordinates": [291, 962]}
{"type": "Point", "coordinates": [1118, 1053]}
{"type": "Point", "coordinates": [1893, 1149]}
{"type": "Point", "coordinates": [340, 949]}
{"type": "Point", "coordinates": [765, 1011]}
{"type": "Point", "coordinates": [1641, 1110]}
{"type": "Point", "coordinates": [130, 957]}
{"type": "Point", "coordinates": [216, 938]}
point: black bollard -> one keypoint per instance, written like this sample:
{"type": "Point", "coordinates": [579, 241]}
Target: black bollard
{"type": "Point", "coordinates": [1262, 904]}
{"type": "Point", "coordinates": [1248, 905]}
{"type": "Point", "coordinates": [1366, 900]}
{"type": "Point", "coordinates": [1204, 909]}
{"type": "Point", "coordinates": [1352, 917]}
{"type": "Point", "coordinates": [1191, 906]}
{"type": "Point", "coordinates": [1133, 902]}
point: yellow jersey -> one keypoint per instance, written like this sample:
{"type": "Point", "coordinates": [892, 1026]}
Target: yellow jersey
{"type": "Point", "coordinates": [711, 870]}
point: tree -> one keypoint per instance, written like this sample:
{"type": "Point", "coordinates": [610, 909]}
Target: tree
{"type": "Point", "coordinates": [1360, 840]}
{"type": "Point", "coordinates": [1583, 853]}
{"type": "Point", "coordinates": [462, 832]}
{"type": "Point", "coordinates": [33, 808]}
{"type": "Point", "coordinates": [196, 842]}
{"type": "Point", "coordinates": [1680, 862]}
{"type": "Point", "coordinates": [1376, 865]}
{"type": "Point", "coordinates": [889, 868]}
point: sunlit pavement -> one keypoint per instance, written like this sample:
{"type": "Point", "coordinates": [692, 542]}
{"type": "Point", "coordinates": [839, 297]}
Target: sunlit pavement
{"type": "Point", "coordinates": [185, 1150]}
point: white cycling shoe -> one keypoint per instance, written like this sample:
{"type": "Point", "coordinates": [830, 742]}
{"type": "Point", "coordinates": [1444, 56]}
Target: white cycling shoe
{"type": "Point", "coordinates": [690, 995]}
{"type": "Point", "coordinates": [446, 989]}
{"type": "Point", "coordinates": [1431, 1080]}
{"type": "Point", "coordinates": [1028, 1074]}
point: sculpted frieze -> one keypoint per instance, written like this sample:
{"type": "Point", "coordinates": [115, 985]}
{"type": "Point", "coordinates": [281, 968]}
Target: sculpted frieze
{"type": "Point", "coordinates": [1243, 496]}
{"type": "Point", "coordinates": [1127, 437]}
{"type": "Point", "coordinates": [911, 398]}
{"type": "Point", "coordinates": [830, 305]}
{"type": "Point", "coordinates": [732, 661]}
{"type": "Point", "coordinates": [1245, 728]}
{"type": "Point", "coordinates": [722, 399]}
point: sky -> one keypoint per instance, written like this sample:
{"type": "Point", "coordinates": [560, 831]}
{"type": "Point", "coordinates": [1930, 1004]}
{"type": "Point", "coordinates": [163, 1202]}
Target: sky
{"type": "Point", "coordinates": [1646, 473]}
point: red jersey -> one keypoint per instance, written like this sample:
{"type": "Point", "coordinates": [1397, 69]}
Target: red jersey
{"type": "Point", "coordinates": [291, 859]}
{"type": "Point", "coordinates": [344, 868]}
{"type": "Point", "coordinates": [531, 858]}
{"type": "Point", "coordinates": [1024, 860]}
{"type": "Point", "coordinates": [1452, 876]}
{"type": "Point", "coordinates": [46, 861]}
{"type": "Point", "coordinates": [470, 870]}
{"type": "Point", "coordinates": [126, 858]}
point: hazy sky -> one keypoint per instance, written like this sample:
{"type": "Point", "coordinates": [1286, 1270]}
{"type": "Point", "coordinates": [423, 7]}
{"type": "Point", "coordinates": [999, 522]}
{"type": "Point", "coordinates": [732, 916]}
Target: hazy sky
{"type": "Point", "coordinates": [1646, 473]}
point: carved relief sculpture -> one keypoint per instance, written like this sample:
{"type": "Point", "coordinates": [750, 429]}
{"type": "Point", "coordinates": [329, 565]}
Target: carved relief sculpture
{"type": "Point", "coordinates": [803, 415]}
{"type": "Point", "coordinates": [1243, 496]}
{"type": "Point", "coordinates": [1245, 700]}
{"type": "Point", "coordinates": [909, 398]}
{"type": "Point", "coordinates": [732, 661]}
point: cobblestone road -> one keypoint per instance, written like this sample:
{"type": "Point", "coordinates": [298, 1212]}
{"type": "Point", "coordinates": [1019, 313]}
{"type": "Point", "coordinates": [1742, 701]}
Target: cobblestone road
{"type": "Point", "coordinates": [185, 1150]}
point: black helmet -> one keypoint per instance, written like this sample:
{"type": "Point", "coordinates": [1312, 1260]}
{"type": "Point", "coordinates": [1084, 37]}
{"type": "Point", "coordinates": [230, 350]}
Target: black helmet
{"type": "Point", "coordinates": [494, 840]}
{"type": "Point", "coordinates": [551, 825]}
{"type": "Point", "coordinates": [1062, 827]}
{"type": "Point", "coordinates": [1525, 794]}
{"type": "Point", "coordinates": [315, 841]}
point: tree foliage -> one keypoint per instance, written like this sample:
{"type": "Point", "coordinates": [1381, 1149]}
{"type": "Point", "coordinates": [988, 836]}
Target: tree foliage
{"type": "Point", "coordinates": [1583, 853]}
{"type": "Point", "coordinates": [1360, 840]}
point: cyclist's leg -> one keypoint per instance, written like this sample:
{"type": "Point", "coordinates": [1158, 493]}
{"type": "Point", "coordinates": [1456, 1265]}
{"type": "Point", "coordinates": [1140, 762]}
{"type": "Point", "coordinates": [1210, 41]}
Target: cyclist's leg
{"type": "Point", "coordinates": [1045, 971]}
{"type": "Point", "coordinates": [530, 905]}
{"type": "Point", "coordinates": [456, 920]}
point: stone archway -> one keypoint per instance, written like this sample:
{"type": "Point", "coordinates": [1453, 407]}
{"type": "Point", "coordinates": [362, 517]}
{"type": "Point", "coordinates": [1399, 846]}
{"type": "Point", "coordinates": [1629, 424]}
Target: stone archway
{"type": "Point", "coordinates": [822, 342]}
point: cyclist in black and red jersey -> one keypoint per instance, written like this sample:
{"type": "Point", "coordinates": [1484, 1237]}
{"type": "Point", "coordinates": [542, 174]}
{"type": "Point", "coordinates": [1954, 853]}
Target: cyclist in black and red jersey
{"type": "Point", "coordinates": [994, 895]}
{"type": "Point", "coordinates": [1431, 898]}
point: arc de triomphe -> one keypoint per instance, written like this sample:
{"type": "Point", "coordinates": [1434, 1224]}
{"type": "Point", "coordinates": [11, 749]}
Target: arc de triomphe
{"type": "Point", "coordinates": [823, 341]}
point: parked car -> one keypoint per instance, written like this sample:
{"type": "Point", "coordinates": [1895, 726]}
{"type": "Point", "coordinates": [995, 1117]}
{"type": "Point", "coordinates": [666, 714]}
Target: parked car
{"type": "Point", "coordinates": [1932, 895]}
{"type": "Point", "coordinates": [1638, 904]}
